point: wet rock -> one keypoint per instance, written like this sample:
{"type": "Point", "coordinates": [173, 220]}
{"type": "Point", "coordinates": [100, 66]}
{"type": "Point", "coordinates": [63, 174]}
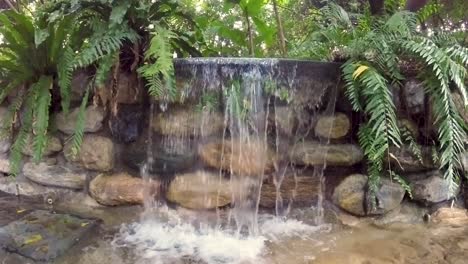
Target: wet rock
{"type": "Point", "coordinates": [5, 141]}
{"type": "Point", "coordinates": [314, 153]}
{"type": "Point", "coordinates": [450, 216]}
{"type": "Point", "coordinates": [405, 160]}
{"type": "Point", "coordinates": [55, 175]}
{"type": "Point", "coordinates": [459, 104]}
{"type": "Point", "coordinates": [53, 145]}
{"type": "Point", "coordinates": [301, 190]}
{"type": "Point", "coordinates": [120, 189]}
{"type": "Point", "coordinates": [22, 186]}
{"type": "Point", "coordinates": [408, 213]}
{"type": "Point", "coordinates": [43, 235]}
{"type": "Point", "coordinates": [126, 125]}
{"type": "Point", "coordinates": [180, 121]}
{"type": "Point", "coordinates": [430, 187]}
{"type": "Point", "coordinates": [251, 158]}
{"type": "Point", "coordinates": [413, 96]}
{"type": "Point", "coordinates": [200, 190]}
{"type": "Point", "coordinates": [350, 195]}
{"type": "Point", "coordinates": [333, 127]}
{"type": "Point", "coordinates": [93, 120]}
{"type": "Point", "coordinates": [96, 153]}
{"type": "Point", "coordinates": [284, 120]}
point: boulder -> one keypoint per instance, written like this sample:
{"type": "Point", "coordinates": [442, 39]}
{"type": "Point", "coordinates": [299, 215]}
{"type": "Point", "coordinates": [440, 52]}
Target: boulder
{"type": "Point", "coordinates": [96, 153]}
{"type": "Point", "coordinates": [93, 120]}
{"type": "Point", "coordinates": [333, 127]}
{"type": "Point", "coordinates": [129, 90]}
{"type": "Point", "coordinates": [314, 153]}
{"type": "Point", "coordinates": [251, 158]}
{"type": "Point", "coordinates": [120, 189]}
{"type": "Point", "coordinates": [55, 175]}
{"type": "Point", "coordinates": [413, 96]}
{"type": "Point", "coordinates": [200, 190]}
{"type": "Point", "coordinates": [351, 195]}
{"type": "Point", "coordinates": [301, 190]}
{"type": "Point", "coordinates": [53, 145]}
{"type": "Point", "coordinates": [430, 187]}
{"type": "Point", "coordinates": [126, 124]}
{"type": "Point", "coordinates": [80, 81]}
{"type": "Point", "coordinates": [180, 121]}
{"type": "Point", "coordinates": [405, 160]}
{"type": "Point", "coordinates": [450, 216]}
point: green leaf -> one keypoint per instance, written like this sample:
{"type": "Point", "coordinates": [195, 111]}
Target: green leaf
{"type": "Point", "coordinates": [40, 35]}
{"type": "Point", "coordinates": [118, 12]}
{"type": "Point", "coordinates": [41, 116]}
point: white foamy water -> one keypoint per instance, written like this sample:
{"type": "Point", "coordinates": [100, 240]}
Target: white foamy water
{"type": "Point", "coordinates": [170, 240]}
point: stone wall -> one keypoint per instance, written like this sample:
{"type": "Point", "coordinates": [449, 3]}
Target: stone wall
{"type": "Point", "coordinates": [194, 158]}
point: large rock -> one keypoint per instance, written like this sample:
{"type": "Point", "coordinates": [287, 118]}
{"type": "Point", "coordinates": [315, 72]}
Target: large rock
{"type": "Point", "coordinates": [430, 187]}
{"type": "Point", "coordinates": [80, 81]}
{"type": "Point", "coordinates": [450, 216]}
{"type": "Point", "coordinates": [333, 127]}
{"type": "Point", "coordinates": [405, 160]}
{"type": "Point", "coordinates": [129, 89]}
{"type": "Point", "coordinates": [180, 121]}
{"type": "Point", "coordinates": [53, 146]}
{"type": "Point", "coordinates": [55, 175]}
{"type": "Point", "coordinates": [120, 189]}
{"type": "Point", "coordinates": [413, 96]}
{"type": "Point", "coordinates": [314, 153]}
{"type": "Point", "coordinates": [251, 158]}
{"type": "Point", "coordinates": [351, 195]}
{"type": "Point", "coordinates": [4, 164]}
{"type": "Point", "coordinates": [200, 190]}
{"type": "Point", "coordinates": [96, 153]}
{"type": "Point", "coordinates": [93, 120]}
{"type": "Point", "coordinates": [284, 120]}
{"type": "Point", "coordinates": [126, 124]}
{"type": "Point", "coordinates": [301, 190]}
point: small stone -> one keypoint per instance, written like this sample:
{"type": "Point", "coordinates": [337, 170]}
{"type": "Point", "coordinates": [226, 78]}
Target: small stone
{"type": "Point", "coordinates": [55, 176]}
{"type": "Point", "coordinates": [96, 153]}
{"type": "Point", "coordinates": [301, 190]}
{"type": "Point", "coordinates": [120, 189]}
{"type": "Point", "coordinates": [350, 195]}
{"type": "Point", "coordinates": [200, 190]}
{"type": "Point", "coordinates": [93, 120]}
{"type": "Point", "coordinates": [430, 187]}
{"type": "Point", "coordinates": [53, 145]}
{"type": "Point", "coordinates": [4, 164]}
{"type": "Point", "coordinates": [333, 127]}
{"type": "Point", "coordinates": [251, 158]}
{"type": "Point", "coordinates": [314, 153]}
{"type": "Point", "coordinates": [450, 216]}
{"type": "Point", "coordinates": [180, 121]}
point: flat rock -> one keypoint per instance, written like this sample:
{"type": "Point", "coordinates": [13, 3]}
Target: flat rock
{"type": "Point", "coordinates": [430, 187]}
{"type": "Point", "coordinates": [22, 186]}
{"type": "Point", "coordinates": [53, 146]}
{"type": "Point", "coordinates": [120, 189]}
{"type": "Point", "coordinates": [96, 153]}
{"type": "Point", "coordinates": [450, 216]}
{"type": "Point", "coordinates": [180, 121]}
{"type": "Point", "coordinates": [314, 153]}
{"type": "Point", "coordinates": [350, 195]}
{"type": "Point", "coordinates": [297, 191]}
{"type": "Point", "coordinates": [93, 120]}
{"type": "Point", "coordinates": [333, 127]}
{"type": "Point", "coordinates": [251, 158]}
{"type": "Point", "coordinates": [42, 235]}
{"type": "Point", "coordinates": [55, 175]}
{"type": "Point", "coordinates": [200, 190]}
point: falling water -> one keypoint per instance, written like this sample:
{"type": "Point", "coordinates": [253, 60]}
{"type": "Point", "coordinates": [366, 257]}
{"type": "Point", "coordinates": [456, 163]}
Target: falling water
{"type": "Point", "coordinates": [248, 93]}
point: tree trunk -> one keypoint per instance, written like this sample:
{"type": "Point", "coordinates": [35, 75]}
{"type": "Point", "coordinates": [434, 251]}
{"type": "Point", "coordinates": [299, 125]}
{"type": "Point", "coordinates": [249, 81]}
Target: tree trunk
{"type": "Point", "coordinates": [280, 29]}
{"type": "Point", "coordinates": [415, 5]}
{"type": "Point", "coordinates": [376, 6]}
{"type": "Point", "coordinates": [250, 34]}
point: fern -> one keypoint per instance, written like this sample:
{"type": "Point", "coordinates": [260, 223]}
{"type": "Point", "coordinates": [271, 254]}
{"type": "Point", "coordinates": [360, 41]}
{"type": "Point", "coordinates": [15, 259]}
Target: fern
{"type": "Point", "coordinates": [413, 145]}
{"type": "Point", "coordinates": [77, 138]}
{"type": "Point", "coordinates": [65, 72]}
{"type": "Point", "coordinates": [403, 183]}
{"type": "Point", "coordinates": [41, 115]}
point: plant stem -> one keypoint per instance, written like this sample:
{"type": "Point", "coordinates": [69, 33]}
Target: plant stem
{"type": "Point", "coordinates": [249, 33]}
{"type": "Point", "coordinates": [280, 29]}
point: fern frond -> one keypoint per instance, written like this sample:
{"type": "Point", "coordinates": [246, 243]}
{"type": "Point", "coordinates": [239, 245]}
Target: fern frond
{"type": "Point", "coordinates": [65, 75]}
{"type": "Point", "coordinates": [41, 116]}
{"type": "Point", "coordinates": [77, 139]}
{"type": "Point", "coordinates": [403, 183]}
{"type": "Point", "coordinates": [104, 67]}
